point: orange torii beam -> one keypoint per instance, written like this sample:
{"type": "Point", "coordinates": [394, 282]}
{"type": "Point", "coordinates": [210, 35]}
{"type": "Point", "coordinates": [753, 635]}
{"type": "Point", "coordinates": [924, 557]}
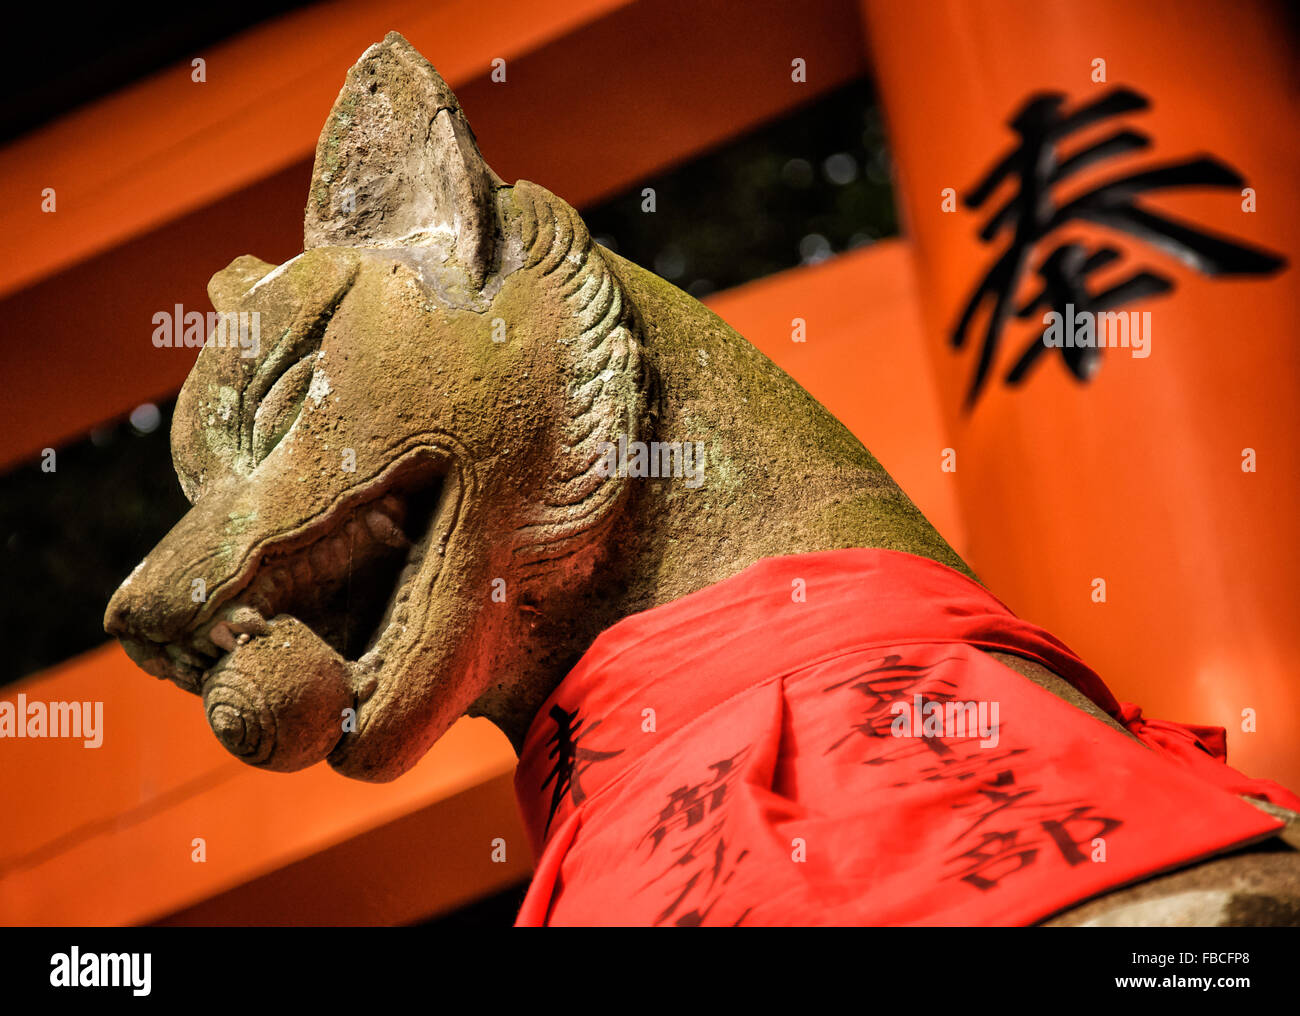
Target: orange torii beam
{"type": "Point", "coordinates": [163, 184]}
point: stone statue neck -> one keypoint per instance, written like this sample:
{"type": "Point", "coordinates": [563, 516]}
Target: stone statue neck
{"type": "Point", "coordinates": [775, 473]}
{"type": "Point", "coordinates": [770, 473]}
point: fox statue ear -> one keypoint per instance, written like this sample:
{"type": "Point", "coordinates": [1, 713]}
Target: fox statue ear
{"type": "Point", "coordinates": [397, 165]}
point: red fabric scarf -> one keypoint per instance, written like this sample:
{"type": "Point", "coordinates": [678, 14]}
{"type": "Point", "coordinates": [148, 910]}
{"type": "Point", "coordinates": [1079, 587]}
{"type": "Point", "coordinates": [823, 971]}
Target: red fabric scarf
{"type": "Point", "coordinates": [800, 744]}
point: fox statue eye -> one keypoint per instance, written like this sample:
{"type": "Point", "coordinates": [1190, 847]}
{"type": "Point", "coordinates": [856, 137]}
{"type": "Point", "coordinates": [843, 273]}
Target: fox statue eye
{"type": "Point", "coordinates": [280, 407]}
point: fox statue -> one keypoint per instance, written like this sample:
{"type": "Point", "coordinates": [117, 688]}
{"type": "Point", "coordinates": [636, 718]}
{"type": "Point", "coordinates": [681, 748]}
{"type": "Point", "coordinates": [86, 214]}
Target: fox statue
{"type": "Point", "coordinates": [481, 465]}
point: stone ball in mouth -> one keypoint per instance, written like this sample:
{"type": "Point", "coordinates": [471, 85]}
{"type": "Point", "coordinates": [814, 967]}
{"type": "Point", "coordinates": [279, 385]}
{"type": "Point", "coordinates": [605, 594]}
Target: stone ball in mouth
{"type": "Point", "coordinates": [279, 699]}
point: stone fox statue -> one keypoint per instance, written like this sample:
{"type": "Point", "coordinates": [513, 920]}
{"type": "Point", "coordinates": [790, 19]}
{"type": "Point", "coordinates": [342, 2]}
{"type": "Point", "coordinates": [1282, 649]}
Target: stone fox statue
{"type": "Point", "coordinates": [481, 465]}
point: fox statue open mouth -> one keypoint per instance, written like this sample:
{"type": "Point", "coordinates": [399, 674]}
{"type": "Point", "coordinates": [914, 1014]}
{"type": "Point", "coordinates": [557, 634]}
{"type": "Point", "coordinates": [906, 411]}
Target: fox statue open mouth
{"type": "Point", "coordinates": [426, 496]}
{"type": "Point", "coordinates": [293, 640]}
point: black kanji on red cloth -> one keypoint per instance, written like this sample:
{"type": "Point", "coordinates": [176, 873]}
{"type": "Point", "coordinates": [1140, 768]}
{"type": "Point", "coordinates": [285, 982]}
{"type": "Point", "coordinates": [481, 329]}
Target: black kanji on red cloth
{"type": "Point", "coordinates": [571, 760]}
{"type": "Point", "coordinates": [1024, 815]}
{"type": "Point", "coordinates": [1007, 822]}
{"type": "Point", "coordinates": [887, 682]}
{"type": "Point", "coordinates": [689, 804]}
{"type": "Point", "coordinates": [1032, 212]}
{"type": "Point", "coordinates": [703, 860]}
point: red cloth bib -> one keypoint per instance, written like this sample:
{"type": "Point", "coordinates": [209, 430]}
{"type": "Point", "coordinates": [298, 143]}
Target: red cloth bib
{"type": "Point", "coordinates": [820, 740]}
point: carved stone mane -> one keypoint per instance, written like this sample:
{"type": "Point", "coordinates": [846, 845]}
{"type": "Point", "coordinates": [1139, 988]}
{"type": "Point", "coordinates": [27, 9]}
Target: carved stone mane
{"type": "Point", "coordinates": [607, 388]}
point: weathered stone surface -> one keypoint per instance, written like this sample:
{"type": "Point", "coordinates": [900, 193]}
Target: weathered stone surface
{"type": "Point", "coordinates": [397, 165]}
{"type": "Point", "coordinates": [423, 425]}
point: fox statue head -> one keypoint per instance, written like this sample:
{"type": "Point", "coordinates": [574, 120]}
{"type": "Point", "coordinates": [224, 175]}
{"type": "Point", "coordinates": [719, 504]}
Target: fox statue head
{"type": "Point", "coordinates": [470, 440]}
